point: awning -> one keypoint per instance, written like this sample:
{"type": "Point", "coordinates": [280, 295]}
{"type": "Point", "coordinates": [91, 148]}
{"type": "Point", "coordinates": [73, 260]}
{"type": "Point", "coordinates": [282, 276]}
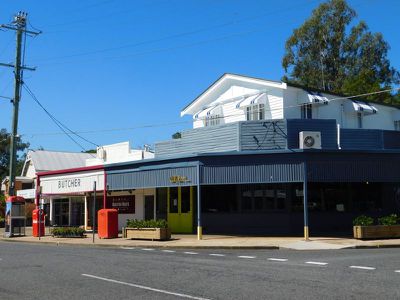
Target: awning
{"type": "Point", "coordinates": [251, 100]}
{"type": "Point", "coordinates": [206, 112]}
{"type": "Point", "coordinates": [316, 98]}
{"type": "Point", "coordinates": [360, 107]}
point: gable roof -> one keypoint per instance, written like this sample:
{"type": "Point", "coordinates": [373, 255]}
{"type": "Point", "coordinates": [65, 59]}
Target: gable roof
{"type": "Point", "coordinates": [43, 160]}
{"type": "Point", "coordinates": [229, 79]}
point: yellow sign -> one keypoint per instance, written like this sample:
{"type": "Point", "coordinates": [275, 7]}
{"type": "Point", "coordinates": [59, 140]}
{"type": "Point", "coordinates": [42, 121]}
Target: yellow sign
{"type": "Point", "coordinates": [179, 179]}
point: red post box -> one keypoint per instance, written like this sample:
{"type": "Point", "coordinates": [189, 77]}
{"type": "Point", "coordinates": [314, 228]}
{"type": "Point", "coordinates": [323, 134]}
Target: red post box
{"type": "Point", "coordinates": [107, 223]}
{"type": "Point", "coordinates": [36, 223]}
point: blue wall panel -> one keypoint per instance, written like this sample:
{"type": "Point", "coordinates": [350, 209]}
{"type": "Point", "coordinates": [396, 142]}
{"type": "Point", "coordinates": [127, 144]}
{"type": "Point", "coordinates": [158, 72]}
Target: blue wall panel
{"type": "Point", "coordinates": [327, 128]}
{"type": "Point", "coordinates": [361, 139]}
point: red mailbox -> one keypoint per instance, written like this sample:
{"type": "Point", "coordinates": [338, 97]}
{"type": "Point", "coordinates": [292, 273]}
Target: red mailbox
{"type": "Point", "coordinates": [35, 222]}
{"type": "Point", "coordinates": [108, 223]}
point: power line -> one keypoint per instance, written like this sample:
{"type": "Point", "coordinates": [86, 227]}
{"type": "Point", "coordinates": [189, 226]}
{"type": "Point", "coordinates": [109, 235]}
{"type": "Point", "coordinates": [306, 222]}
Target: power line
{"type": "Point", "coordinates": [60, 125]}
{"type": "Point", "coordinates": [220, 117]}
{"type": "Point", "coordinates": [174, 36]}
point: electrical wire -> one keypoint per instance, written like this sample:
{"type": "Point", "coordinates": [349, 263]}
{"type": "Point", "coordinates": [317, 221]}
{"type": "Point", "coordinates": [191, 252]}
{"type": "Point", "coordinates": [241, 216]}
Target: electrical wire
{"type": "Point", "coordinates": [219, 117]}
{"type": "Point", "coordinates": [60, 125]}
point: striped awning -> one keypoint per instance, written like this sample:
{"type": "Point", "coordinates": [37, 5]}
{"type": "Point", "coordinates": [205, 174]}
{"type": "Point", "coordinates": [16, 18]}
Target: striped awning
{"type": "Point", "coordinates": [207, 112]}
{"type": "Point", "coordinates": [316, 98]}
{"type": "Point", "coordinates": [360, 107]}
{"type": "Point", "coordinates": [251, 100]}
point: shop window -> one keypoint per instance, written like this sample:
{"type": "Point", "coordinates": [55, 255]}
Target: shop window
{"type": "Point", "coordinates": [173, 200]}
{"type": "Point", "coordinates": [265, 197]}
{"type": "Point", "coordinates": [185, 199]}
{"type": "Point", "coordinates": [255, 112]}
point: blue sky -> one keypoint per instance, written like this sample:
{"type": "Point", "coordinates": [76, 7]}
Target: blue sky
{"type": "Point", "coordinates": [122, 70]}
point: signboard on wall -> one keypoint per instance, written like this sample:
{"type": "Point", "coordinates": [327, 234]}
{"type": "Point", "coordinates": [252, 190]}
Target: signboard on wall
{"type": "Point", "coordinates": [72, 183]}
{"type": "Point", "coordinates": [124, 204]}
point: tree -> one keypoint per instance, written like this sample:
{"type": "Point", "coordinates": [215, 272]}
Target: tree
{"type": "Point", "coordinates": [5, 153]}
{"type": "Point", "coordinates": [324, 53]}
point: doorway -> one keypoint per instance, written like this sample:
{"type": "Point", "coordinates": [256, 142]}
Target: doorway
{"type": "Point", "coordinates": [61, 212]}
{"type": "Point", "coordinates": [149, 207]}
{"type": "Point", "coordinates": [180, 209]}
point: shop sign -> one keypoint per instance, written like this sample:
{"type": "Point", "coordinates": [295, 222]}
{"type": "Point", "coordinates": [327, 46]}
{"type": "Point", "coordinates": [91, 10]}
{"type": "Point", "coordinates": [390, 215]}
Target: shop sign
{"type": "Point", "coordinates": [124, 204]}
{"type": "Point", "coordinates": [64, 184]}
{"type": "Point", "coordinates": [27, 194]}
{"type": "Point", "coordinates": [179, 179]}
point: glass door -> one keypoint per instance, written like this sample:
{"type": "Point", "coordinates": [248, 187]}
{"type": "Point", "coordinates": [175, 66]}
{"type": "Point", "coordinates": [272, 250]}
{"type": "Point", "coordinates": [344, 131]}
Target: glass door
{"type": "Point", "coordinates": [61, 212]}
{"type": "Point", "coordinates": [180, 209]}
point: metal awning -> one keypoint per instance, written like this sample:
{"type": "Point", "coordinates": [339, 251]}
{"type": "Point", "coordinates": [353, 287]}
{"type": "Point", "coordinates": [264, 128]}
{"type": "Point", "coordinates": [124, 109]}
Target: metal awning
{"type": "Point", "coordinates": [360, 107]}
{"type": "Point", "coordinates": [251, 100]}
{"type": "Point", "coordinates": [316, 98]}
{"type": "Point", "coordinates": [207, 112]}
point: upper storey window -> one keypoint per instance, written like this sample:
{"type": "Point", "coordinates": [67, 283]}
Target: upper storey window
{"type": "Point", "coordinates": [210, 116]}
{"type": "Point", "coordinates": [306, 111]}
{"type": "Point", "coordinates": [255, 112]}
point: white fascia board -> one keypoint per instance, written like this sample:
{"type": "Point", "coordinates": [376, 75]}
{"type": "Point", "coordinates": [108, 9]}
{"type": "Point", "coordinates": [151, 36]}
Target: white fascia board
{"type": "Point", "coordinates": [236, 80]}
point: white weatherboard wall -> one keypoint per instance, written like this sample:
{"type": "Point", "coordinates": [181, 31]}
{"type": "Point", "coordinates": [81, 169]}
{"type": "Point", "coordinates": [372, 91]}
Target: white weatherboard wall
{"type": "Point", "coordinates": [72, 183]}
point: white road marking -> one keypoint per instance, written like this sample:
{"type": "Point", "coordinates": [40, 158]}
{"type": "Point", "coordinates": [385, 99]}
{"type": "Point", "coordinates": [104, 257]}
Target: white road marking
{"type": "Point", "coordinates": [245, 256]}
{"type": "Point", "coordinates": [216, 254]}
{"type": "Point", "coordinates": [145, 287]}
{"type": "Point", "coordinates": [397, 271]}
{"type": "Point", "coordinates": [128, 248]}
{"type": "Point", "coordinates": [316, 263]}
{"type": "Point", "coordinates": [192, 253]}
{"type": "Point", "coordinates": [362, 267]}
{"type": "Point", "coordinates": [147, 249]}
{"type": "Point", "coordinates": [278, 259]}
{"type": "Point", "coordinates": [168, 251]}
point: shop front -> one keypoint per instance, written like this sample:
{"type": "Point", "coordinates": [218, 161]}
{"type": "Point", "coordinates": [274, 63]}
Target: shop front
{"type": "Point", "coordinates": [72, 199]}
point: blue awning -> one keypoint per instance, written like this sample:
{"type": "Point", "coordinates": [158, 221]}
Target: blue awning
{"type": "Point", "coordinates": [316, 98]}
{"type": "Point", "coordinates": [360, 107]}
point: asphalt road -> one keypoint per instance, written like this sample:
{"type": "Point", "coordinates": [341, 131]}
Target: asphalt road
{"type": "Point", "coordinates": [31, 271]}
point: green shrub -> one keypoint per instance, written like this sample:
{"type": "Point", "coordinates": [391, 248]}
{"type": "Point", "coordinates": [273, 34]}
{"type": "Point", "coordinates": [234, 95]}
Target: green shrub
{"type": "Point", "coordinates": [146, 223]}
{"type": "Point", "coordinates": [392, 219]}
{"type": "Point", "coordinates": [68, 231]}
{"type": "Point", "coordinates": [363, 220]}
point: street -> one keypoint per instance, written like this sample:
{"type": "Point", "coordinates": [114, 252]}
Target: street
{"type": "Point", "coordinates": [29, 271]}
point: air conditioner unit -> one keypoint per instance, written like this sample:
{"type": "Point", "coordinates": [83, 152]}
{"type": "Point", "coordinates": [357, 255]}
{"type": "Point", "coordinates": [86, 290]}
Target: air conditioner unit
{"type": "Point", "coordinates": [310, 140]}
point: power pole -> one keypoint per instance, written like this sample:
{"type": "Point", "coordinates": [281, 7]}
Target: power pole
{"type": "Point", "coordinates": [19, 25]}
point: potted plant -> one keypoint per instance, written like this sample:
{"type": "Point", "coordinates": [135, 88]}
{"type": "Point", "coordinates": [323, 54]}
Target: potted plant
{"type": "Point", "coordinates": [68, 232]}
{"type": "Point", "coordinates": [147, 229]}
{"type": "Point", "coordinates": [388, 227]}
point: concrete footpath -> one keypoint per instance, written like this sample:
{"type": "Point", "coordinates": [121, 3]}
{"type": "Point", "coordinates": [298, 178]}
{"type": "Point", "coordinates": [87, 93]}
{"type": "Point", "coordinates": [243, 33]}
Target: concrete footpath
{"type": "Point", "coordinates": [212, 241]}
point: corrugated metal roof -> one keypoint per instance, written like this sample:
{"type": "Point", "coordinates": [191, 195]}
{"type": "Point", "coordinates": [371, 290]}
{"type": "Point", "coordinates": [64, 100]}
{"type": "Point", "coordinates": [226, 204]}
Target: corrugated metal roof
{"type": "Point", "coordinates": [51, 160]}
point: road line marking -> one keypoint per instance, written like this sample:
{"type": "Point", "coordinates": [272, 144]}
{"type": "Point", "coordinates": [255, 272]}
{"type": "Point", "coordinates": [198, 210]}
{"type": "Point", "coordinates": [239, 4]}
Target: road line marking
{"type": "Point", "coordinates": [316, 263]}
{"type": "Point", "coordinates": [168, 251]}
{"type": "Point", "coordinates": [192, 253]}
{"type": "Point", "coordinates": [128, 248]}
{"type": "Point", "coordinates": [147, 249]}
{"type": "Point", "coordinates": [278, 259]}
{"type": "Point", "coordinates": [216, 254]}
{"type": "Point", "coordinates": [362, 267]}
{"type": "Point", "coordinates": [397, 271]}
{"type": "Point", "coordinates": [245, 256]}
{"type": "Point", "coordinates": [145, 287]}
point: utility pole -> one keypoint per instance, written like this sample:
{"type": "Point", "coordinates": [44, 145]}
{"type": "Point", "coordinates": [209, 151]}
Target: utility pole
{"type": "Point", "coordinates": [19, 25]}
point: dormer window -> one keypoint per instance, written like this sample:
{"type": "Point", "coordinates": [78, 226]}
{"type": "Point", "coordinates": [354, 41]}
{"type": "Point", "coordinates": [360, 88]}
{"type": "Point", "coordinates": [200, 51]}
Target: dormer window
{"type": "Point", "coordinates": [255, 112]}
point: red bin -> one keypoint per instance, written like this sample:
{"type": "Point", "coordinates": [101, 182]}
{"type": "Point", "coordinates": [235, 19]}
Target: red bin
{"type": "Point", "coordinates": [108, 223]}
{"type": "Point", "coordinates": [36, 223]}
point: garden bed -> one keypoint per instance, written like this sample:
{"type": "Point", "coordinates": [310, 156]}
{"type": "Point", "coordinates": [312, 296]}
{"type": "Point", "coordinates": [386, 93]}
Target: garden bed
{"type": "Point", "coordinates": [147, 230]}
{"type": "Point", "coordinates": [68, 232]}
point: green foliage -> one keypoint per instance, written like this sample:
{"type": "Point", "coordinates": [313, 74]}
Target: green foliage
{"type": "Point", "coordinates": [392, 219]}
{"type": "Point", "coordinates": [352, 60]}
{"type": "Point", "coordinates": [363, 221]}
{"type": "Point", "coordinates": [2, 205]}
{"type": "Point", "coordinates": [177, 135]}
{"type": "Point", "coordinates": [146, 223]}
{"type": "Point", "coordinates": [2, 220]}
{"type": "Point", "coordinates": [5, 153]}
{"type": "Point", "coordinates": [68, 232]}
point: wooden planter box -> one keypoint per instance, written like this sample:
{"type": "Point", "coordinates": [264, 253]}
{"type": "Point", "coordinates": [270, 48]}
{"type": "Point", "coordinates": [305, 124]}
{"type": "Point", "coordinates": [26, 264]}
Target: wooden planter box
{"type": "Point", "coordinates": [161, 234]}
{"type": "Point", "coordinates": [376, 231]}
